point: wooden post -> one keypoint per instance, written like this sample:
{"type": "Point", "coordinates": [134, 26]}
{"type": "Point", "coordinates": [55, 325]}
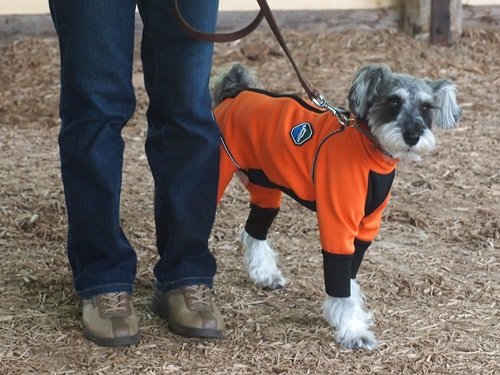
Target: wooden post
{"type": "Point", "coordinates": [439, 21]}
{"type": "Point", "coordinates": [416, 18]}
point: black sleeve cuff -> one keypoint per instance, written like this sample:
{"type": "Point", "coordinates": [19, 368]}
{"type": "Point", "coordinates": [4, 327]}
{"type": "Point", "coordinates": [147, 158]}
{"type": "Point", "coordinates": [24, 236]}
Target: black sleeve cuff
{"type": "Point", "coordinates": [360, 249]}
{"type": "Point", "coordinates": [337, 269]}
{"type": "Point", "coordinates": [259, 221]}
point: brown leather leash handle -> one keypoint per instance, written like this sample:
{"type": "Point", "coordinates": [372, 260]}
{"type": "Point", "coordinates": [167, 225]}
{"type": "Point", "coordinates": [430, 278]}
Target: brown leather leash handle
{"type": "Point", "coordinates": [265, 12]}
{"type": "Point", "coordinates": [217, 37]}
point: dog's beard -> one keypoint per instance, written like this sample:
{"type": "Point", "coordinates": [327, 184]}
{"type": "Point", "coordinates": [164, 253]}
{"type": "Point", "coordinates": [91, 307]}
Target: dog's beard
{"type": "Point", "coordinates": [391, 139]}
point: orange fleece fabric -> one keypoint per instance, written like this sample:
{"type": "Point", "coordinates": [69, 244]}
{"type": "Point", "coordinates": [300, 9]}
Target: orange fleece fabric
{"type": "Point", "coordinates": [330, 170]}
{"type": "Point", "coordinates": [284, 144]}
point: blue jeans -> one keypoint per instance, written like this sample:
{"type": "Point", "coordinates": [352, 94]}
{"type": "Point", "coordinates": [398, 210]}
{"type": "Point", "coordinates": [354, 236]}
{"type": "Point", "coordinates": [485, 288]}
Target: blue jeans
{"type": "Point", "coordinates": [96, 40]}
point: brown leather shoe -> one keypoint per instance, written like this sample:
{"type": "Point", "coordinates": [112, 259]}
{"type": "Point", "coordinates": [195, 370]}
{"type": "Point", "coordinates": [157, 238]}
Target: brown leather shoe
{"type": "Point", "coordinates": [110, 320]}
{"type": "Point", "coordinates": [190, 311]}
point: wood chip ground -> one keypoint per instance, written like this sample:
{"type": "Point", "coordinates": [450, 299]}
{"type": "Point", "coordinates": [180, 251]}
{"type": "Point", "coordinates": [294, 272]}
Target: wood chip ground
{"type": "Point", "coordinates": [431, 278]}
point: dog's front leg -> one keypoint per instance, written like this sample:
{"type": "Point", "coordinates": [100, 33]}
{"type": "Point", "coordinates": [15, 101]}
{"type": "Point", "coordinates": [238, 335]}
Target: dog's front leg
{"type": "Point", "coordinates": [351, 320]}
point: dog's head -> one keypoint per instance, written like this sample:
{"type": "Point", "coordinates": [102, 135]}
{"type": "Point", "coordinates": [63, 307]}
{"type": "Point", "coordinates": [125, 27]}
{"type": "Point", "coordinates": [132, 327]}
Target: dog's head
{"type": "Point", "coordinates": [400, 110]}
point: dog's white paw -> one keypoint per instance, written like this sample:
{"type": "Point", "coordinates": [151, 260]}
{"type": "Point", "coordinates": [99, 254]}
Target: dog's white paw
{"type": "Point", "coordinates": [260, 260]}
{"type": "Point", "coordinates": [272, 279]}
{"type": "Point", "coordinates": [351, 320]}
{"type": "Point", "coordinates": [361, 338]}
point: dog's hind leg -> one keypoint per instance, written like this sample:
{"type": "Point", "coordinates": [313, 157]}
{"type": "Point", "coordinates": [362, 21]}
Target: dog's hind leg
{"type": "Point", "coordinates": [260, 258]}
{"type": "Point", "coordinates": [226, 171]}
{"type": "Point", "coordinates": [351, 320]}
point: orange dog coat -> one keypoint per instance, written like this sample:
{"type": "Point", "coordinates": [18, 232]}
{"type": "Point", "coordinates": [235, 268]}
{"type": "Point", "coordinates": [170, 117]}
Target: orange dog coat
{"type": "Point", "coordinates": [283, 144]}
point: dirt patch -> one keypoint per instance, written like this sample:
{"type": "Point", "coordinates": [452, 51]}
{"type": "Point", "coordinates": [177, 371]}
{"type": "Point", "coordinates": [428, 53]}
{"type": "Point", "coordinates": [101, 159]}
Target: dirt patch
{"type": "Point", "coordinates": [431, 278]}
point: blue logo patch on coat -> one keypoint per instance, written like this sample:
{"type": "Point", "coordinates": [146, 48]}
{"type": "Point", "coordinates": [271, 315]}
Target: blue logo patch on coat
{"type": "Point", "coordinates": [301, 133]}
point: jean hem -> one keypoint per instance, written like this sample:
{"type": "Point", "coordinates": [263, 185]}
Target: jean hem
{"type": "Point", "coordinates": [107, 288]}
{"type": "Point", "coordinates": [187, 281]}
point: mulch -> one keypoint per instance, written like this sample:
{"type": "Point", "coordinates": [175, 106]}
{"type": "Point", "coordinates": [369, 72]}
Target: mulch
{"type": "Point", "coordinates": [431, 278]}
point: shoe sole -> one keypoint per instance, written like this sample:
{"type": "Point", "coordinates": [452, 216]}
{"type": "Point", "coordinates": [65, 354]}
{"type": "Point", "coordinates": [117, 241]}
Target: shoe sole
{"type": "Point", "coordinates": [160, 309]}
{"type": "Point", "coordinates": [112, 342]}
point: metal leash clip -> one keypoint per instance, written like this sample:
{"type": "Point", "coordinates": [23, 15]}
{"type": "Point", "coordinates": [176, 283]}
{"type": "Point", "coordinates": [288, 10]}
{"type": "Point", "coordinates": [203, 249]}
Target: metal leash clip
{"type": "Point", "coordinates": [342, 114]}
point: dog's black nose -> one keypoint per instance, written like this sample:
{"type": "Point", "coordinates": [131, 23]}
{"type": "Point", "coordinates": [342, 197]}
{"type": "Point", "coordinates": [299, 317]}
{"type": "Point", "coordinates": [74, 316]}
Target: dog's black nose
{"type": "Point", "coordinates": [411, 138]}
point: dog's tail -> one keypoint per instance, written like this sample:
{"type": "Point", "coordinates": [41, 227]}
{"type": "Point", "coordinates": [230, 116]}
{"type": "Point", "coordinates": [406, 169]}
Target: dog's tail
{"type": "Point", "coordinates": [232, 82]}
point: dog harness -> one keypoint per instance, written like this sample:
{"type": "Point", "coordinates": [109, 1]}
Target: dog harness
{"type": "Point", "coordinates": [284, 144]}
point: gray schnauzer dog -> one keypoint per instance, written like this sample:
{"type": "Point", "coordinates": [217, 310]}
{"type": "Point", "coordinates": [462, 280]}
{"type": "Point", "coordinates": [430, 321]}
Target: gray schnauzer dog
{"type": "Point", "coordinates": [281, 143]}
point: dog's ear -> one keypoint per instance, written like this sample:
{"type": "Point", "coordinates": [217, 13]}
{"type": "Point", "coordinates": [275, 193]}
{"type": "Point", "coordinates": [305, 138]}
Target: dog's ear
{"type": "Point", "coordinates": [446, 112]}
{"type": "Point", "coordinates": [365, 86]}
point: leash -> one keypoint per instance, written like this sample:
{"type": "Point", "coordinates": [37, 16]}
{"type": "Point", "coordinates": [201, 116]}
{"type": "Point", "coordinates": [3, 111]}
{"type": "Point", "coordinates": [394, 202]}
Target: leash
{"type": "Point", "coordinates": [342, 115]}
{"type": "Point", "coordinates": [217, 37]}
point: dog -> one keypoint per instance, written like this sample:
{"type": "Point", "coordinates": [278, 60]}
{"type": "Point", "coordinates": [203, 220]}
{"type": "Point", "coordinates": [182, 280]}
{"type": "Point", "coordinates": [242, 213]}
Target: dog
{"type": "Point", "coordinates": [284, 144]}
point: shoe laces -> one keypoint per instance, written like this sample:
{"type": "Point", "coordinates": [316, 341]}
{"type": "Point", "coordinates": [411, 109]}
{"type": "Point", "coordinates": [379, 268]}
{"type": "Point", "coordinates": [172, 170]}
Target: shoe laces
{"type": "Point", "coordinates": [113, 302]}
{"type": "Point", "coordinates": [198, 294]}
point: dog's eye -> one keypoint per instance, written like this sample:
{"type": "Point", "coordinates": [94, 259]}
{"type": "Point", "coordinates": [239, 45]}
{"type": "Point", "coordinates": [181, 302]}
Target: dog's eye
{"type": "Point", "coordinates": [426, 107]}
{"type": "Point", "coordinates": [394, 102]}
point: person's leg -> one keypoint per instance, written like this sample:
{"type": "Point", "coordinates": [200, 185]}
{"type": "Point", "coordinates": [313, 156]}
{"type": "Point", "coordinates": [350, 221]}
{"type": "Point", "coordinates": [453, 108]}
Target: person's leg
{"type": "Point", "coordinates": [182, 147]}
{"type": "Point", "coordinates": [183, 140]}
{"type": "Point", "coordinates": [226, 171]}
{"type": "Point", "coordinates": [96, 42]}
